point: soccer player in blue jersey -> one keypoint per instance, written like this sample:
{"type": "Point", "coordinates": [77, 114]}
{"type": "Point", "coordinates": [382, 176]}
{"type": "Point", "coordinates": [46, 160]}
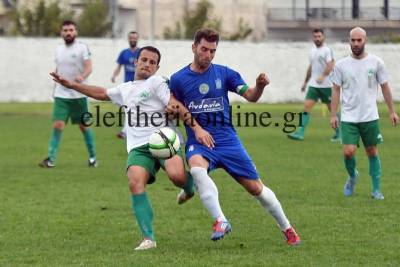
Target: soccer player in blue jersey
{"type": "Point", "coordinates": [127, 59]}
{"type": "Point", "coordinates": [203, 88]}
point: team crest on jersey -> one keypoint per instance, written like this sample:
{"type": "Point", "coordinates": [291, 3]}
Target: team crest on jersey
{"type": "Point", "coordinates": [143, 96]}
{"type": "Point", "coordinates": [218, 83]}
{"type": "Point", "coordinates": [371, 72]}
{"type": "Point", "coordinates": [203, 88]}
{"type": "Point", "coordinates": [131, 60]}
{"type": "Point", "coordinates": [191, 148]}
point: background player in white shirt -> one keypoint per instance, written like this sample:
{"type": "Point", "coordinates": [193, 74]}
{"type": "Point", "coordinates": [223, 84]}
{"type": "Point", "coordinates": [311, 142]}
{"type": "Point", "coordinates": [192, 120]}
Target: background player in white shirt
{"type": "Point", "coordinates": [319, 84]}
{"type": "Point", "coordinates": [73, 62]}
{"type": "Point", "coordinates": [356, 78]}
{"type": "Point", "coordinates": [152, 95]}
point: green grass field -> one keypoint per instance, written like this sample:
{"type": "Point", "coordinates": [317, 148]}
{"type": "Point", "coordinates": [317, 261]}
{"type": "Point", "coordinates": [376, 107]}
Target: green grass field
{"type": "Point", "coordinates": [76, 216]}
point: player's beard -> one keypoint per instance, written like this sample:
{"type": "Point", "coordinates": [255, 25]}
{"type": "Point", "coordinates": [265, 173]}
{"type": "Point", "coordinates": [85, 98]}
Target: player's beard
{"type": "Point", "coordinates": [202, 64]}
{"type": "Point", "coordinates": [318, 43]}
{"type": "Point", "coordinates": [133, 44]}
{"type": "Point", "coordinates": [358, 51]}
{"type": "Point", "coordinates": [69, 39]}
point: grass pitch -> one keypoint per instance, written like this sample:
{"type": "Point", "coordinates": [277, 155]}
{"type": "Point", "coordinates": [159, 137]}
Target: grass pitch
{"type": "Point", "coordinates": [76, 216]}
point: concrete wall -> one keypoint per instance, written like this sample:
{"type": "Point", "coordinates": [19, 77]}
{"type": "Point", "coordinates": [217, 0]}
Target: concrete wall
{"type": "Point", "coordinates": [26, 62]}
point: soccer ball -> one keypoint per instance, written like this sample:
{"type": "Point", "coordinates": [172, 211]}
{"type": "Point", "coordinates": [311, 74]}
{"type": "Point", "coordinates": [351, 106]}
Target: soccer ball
{"type": "Point", "coordinates": [164, 143]}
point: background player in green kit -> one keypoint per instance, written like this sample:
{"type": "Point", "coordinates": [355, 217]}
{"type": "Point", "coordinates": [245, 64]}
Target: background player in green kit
{"type": "Point", "coordinates": [73, 62]}
{"type": "Point", "coordinates": [356, 79]}
{"type": "Point", "coordinates": [319, 84]}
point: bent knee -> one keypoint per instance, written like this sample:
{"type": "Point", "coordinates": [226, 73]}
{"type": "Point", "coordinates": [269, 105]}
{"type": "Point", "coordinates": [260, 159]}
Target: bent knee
{"type": "Point", "coordinates": [59, 125]}
{"type": "Point", "coordinates": [254, 187]}
{"type": "Point", "coordinates": [177, 177]}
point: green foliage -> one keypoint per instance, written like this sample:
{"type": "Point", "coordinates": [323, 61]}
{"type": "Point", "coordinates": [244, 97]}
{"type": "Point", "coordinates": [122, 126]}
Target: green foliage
{"type": "Point", "coordinates": [196, 19]}
{"type": "Point", "coordinates": [94, 21]}
{"type": "Point", "coordinates": [173, 33]}
{"type": "Point", "coordinates": [387, 38]}
{"type": "Point", "coordinates": [45, 19]}
{"type": "Point", "coordinates": [243, 30]}
{"type": "Point", "coordinates": [201, 17]}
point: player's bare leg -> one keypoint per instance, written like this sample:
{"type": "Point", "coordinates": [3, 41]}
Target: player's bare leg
{"type": "Point", "coordinates": [175, 169]}
{"type": "Point", "coordinates": [271, 204]}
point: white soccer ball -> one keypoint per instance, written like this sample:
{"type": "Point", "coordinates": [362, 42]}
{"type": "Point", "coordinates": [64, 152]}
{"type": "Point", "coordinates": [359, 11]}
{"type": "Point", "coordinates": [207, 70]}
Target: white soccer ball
{"type": "Point", "coordinates": [164, 143]}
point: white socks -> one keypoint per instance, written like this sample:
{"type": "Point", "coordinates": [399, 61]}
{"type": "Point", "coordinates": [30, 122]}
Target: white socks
{"type": "Point", "coordinates": [269, 201]}
{"type": "Point", "coordinates": [208, 192]}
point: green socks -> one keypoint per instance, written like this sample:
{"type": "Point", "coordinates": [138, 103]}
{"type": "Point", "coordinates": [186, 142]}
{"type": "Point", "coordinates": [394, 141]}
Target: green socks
{"type": "Point", "coordinates": [144, 214]}
{"type": "Point", "coordinates": [375, 171]}
{"type": "Point", "coordinates": [189, 186]}
{"type": "Point", "coordinates": [53, 143]}
{"type": "Point", "coordinates": [305, 119]}
{"type": "Point", "coordinates": [89, 140]}
{"type": "Point", "coordinates": [350, 166]}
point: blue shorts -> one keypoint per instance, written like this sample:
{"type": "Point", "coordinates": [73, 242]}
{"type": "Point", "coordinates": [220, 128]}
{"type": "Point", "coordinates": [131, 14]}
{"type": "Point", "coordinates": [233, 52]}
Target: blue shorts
{"type": "Point", "coordinates": [232, 158]}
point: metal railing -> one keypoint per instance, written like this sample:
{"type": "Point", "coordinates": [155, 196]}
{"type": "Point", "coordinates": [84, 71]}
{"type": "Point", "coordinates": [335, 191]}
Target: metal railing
{"type": "Point", "coordinates": [326, 13]}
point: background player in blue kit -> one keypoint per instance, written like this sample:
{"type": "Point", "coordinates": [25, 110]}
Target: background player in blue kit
{"type": "Point", "coordinates": [127, 59]}
{"type": "Point", "coordinates": [203, 88]}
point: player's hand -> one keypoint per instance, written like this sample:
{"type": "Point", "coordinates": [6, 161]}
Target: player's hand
{"type": "Point", "coordinates": [394, 118]}
{"type": "Point", "coordinates": [320, 79]}
{"type": "Point", "coordinates": [59, 79]}
{"type": "Point", "coordinates": [204, 137]}
{"type": "Point", "coordinates": [262, 81]}
{"type": "Point", "coordinates": [79, 78]}
{"type": "Point", "coordinates": [113, 79]}
{"type": "Point", "coordinates": [303, 88]}
{"type": "Point", "coordinates": [335, 122]}
{"type": "Point", "coordinates": [172, 109]}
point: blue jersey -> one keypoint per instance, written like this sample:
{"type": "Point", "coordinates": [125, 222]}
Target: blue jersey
{"type": "Point", "coordinates": [206, 97]}
{"type": "Point", "coordinates": [127, 58]}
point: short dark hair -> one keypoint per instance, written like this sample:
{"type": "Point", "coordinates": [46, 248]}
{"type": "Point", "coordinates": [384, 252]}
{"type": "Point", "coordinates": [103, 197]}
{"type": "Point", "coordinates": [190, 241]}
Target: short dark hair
{"type": "Point", "coordinates": [209, 35]}
{"type": "Point", "coordinates": [68, 22]}
{"type": "Point", "coordinates": [151, 49]}
{"type": "Point", "coordinates": [318, 30]}
{"type": "Point", "coordinates": [133, 32]}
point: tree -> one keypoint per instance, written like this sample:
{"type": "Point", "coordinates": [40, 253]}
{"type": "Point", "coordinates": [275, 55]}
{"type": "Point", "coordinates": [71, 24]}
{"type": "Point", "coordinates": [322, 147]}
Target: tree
{"type": "Point", "coordinates": [45, 19]}
{"type": "Point", "coordinates": [94, 19]}
{"type": "Point", "coordinates": [200, 17]}
{"type": "Point", "coordinates": [42, 20]}
{"type": "Point", "coordinates": [243, 30]}
{"type": "Point", "coordinates": [193, 20]}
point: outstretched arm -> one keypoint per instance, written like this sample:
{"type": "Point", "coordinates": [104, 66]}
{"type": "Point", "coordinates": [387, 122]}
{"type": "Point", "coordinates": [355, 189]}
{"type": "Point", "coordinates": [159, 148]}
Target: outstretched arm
{"type": "Point", "coordinates": [334, 106]}
{"type": "Point", "coordinates": [253, 94]}
{"type": "Point", "coordinates": [387, 95]}
{"type": "Point", "coordinates": [95, 92]}
{"type": "Point", "coordinates": [202, 136]}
